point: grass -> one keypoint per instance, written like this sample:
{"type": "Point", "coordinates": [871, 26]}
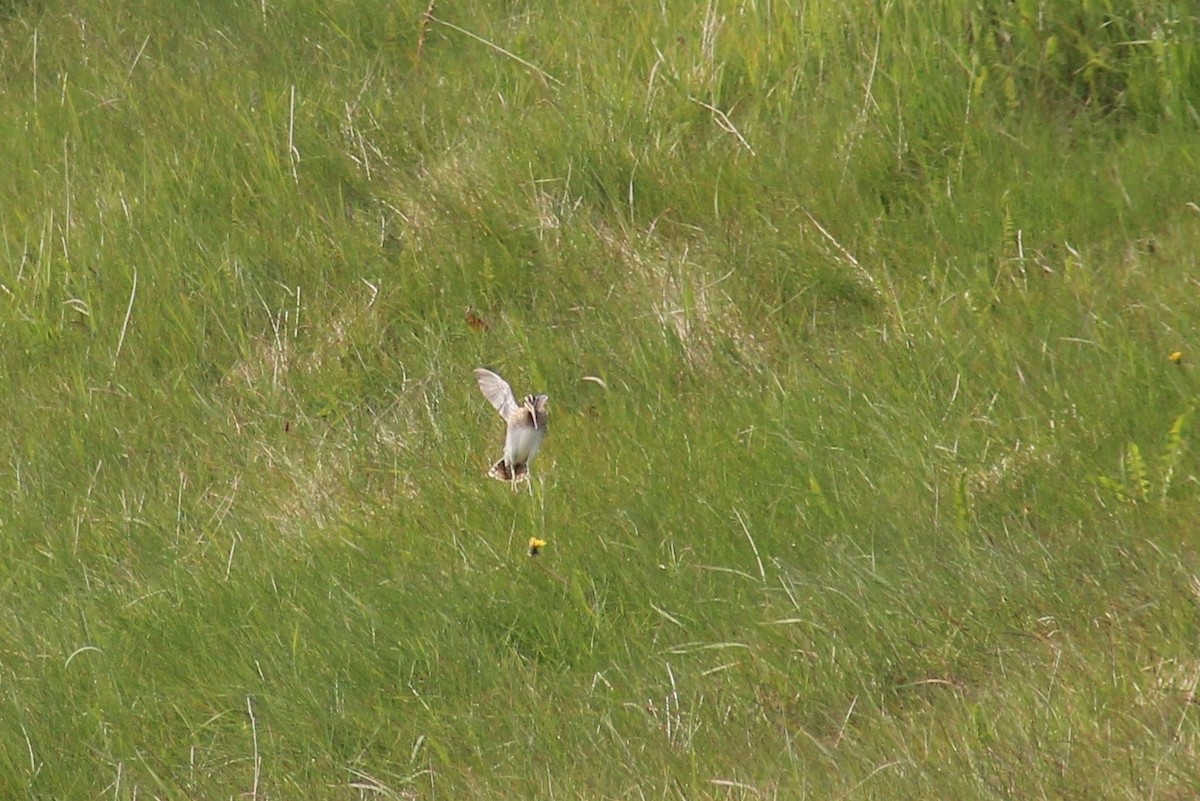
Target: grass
{"type": "Point", "coordinates": [889, 490]}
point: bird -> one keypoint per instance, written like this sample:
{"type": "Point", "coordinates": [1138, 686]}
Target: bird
{"type": "Point", "coordinates": [528, 422]}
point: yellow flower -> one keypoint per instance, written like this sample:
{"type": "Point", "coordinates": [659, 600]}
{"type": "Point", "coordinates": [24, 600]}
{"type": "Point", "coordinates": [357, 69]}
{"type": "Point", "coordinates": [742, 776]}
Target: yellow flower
{"type": "Point", "coordinates": [1176, 357]}
{"type": "Point", "coordinates": [535, 545]}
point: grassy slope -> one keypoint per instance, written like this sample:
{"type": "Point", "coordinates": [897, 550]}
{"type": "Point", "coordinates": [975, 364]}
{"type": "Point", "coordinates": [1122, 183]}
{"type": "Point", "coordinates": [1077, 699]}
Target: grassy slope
{"type": "Point", "coordinates": [882, 499]}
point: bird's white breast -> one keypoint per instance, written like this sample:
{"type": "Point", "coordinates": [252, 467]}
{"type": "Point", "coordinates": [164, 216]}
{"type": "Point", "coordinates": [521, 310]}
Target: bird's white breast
{"type": "Point", "coordinates": [522, 443]}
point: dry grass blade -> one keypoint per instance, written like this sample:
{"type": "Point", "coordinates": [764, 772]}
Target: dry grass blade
{"type": "Point", "coordinates": [426, 18]}
{"type": "Point", "coordinates": [541, 73]}
{"type": "Point", "coordinates": [725, 123]}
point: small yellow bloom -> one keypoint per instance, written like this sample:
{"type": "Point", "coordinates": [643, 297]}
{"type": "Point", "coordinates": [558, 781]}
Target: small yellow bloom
{"type": "Point", "coordinates": [535, 545]}
{"type": "Point", "coordinates": [1176, 357]}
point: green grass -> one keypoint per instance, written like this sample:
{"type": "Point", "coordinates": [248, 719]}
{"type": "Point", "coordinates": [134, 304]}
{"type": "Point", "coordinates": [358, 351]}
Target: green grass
{"type": "Point", "coordinates": [890, 490]}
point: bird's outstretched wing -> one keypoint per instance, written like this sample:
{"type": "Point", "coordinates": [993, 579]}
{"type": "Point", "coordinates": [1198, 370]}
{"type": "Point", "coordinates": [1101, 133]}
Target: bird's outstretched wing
{"type": "Point", "coordinates": [497, 391]}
